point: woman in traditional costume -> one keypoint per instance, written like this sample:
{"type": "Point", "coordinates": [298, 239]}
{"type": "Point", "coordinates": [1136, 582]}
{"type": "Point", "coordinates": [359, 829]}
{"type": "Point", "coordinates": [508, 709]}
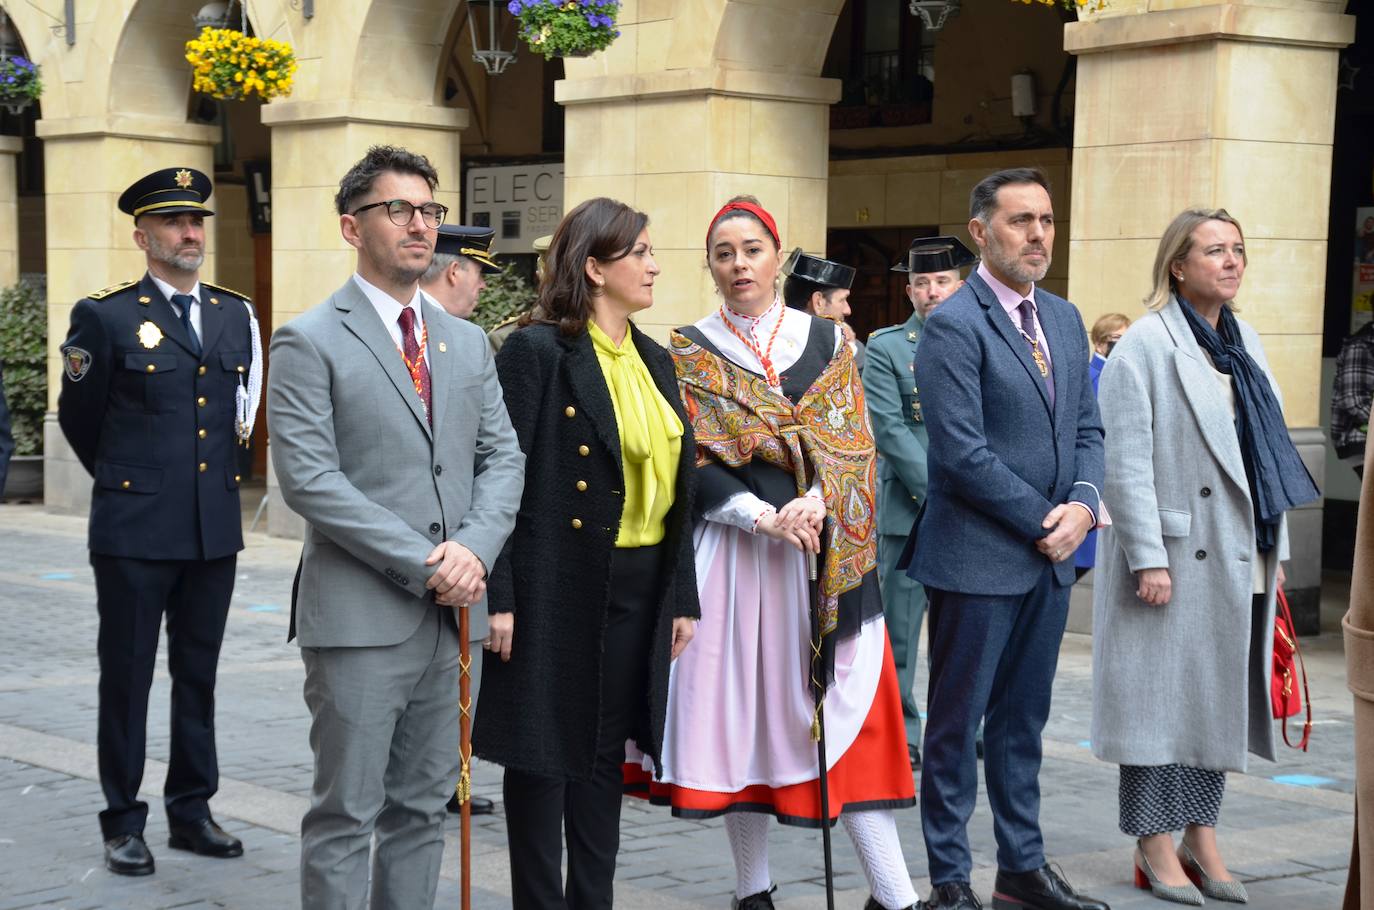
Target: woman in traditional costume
{"type": "Point", "coordinates": [785, 469]}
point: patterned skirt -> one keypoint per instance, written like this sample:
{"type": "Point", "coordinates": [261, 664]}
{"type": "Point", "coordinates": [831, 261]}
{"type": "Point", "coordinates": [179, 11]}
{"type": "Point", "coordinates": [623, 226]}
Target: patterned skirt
{"type": "Point", "coordinates": [1159, 798]}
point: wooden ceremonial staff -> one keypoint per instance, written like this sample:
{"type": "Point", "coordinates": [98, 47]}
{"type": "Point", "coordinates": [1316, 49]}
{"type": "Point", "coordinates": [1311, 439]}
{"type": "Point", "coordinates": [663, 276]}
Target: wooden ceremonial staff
{"type": "Point", "coordinates": [818, 726]}
{"type": "Point", "coordinates": [464, 789]}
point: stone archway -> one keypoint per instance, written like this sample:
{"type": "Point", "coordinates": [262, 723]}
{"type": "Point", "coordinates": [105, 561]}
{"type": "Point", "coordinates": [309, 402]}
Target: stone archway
{"type": "Point", "coordinates": [695, 103]}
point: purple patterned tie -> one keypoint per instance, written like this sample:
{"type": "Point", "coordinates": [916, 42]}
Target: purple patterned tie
{"type": "Point", "coordinates": [1027, 314]}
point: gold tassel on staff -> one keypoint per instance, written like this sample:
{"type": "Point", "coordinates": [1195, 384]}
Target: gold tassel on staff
{"type": "Point", "coordinates": [464, 789]}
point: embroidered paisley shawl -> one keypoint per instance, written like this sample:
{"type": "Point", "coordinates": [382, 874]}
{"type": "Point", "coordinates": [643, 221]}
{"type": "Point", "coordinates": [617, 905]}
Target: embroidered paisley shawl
{"type": "Point", "coordinates": [737, 417]}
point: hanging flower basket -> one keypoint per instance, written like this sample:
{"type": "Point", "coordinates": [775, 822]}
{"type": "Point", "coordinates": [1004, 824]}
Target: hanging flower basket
{"type": "Point", "coordinates": [20, 83]}
{"type": "Point", "coordinates": [228, 64]}
{"type": "Point", "coordinates": [570, 28]}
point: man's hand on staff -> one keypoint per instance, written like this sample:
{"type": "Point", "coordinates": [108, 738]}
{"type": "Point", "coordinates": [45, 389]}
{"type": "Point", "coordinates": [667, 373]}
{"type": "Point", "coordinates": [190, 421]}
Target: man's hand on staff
{"type": "Point", "coordinates": [459, 576]}
{"type": "Point", "coordinates": [501, 632]}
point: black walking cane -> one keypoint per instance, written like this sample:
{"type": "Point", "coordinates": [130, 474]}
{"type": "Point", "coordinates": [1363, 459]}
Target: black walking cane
{"type": "Point", "coordinates": [818, 726]}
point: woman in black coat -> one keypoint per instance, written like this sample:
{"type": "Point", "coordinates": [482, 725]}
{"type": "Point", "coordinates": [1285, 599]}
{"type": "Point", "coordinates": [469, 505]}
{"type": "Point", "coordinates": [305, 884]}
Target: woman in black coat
{"type": "Point", "coordinates": [595, 591]}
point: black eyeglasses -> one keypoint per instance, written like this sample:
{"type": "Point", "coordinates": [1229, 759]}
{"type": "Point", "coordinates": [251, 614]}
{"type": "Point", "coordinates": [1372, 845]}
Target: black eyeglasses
{"type": "Point", "coordinates": [400, 211]}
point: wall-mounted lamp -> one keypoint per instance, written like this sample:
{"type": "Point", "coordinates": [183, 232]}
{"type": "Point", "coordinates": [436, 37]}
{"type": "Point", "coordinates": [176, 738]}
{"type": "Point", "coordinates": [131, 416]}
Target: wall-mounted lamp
{"type": "Point", "coordinates": [492, 57]}
{"type": "Point", "coordinates": [934, 13]}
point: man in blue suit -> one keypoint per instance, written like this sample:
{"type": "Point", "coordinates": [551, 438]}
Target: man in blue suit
{"type": "Point", "coordinates": [1015, 464]}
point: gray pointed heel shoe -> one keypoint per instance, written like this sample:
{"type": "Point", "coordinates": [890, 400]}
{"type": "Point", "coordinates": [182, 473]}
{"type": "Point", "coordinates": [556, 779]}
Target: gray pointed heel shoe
{"type": "Point", "coordinates": [1145, 880]}
{"type": "Point", "coordinates": [1232, 890]}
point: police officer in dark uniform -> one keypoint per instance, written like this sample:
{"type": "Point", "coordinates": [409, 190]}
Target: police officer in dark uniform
{"type": "Point", "coordinates": [158, 395]}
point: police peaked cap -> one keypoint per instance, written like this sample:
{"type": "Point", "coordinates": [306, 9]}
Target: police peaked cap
{"type": "Point", "coordinates": [817, 270]}
{"type": "Point", "coordinates": [936, 254]}
{"type": "Point", "coordinates": [472, 242]}
{"type": "Point", "coordinates": [168, 192]}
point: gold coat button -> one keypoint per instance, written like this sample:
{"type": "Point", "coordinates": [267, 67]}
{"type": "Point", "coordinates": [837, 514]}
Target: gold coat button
{"type": "Point", "coordinates": [203, 467]}
{"type": "Point", "coordinates": [583, 451]}
{"type": "Point", "coordinates": [125, 485]}
{"type": "Point", "coordinates": [151, 368]}
{"type": "Point", "coordinates": [570, 411]}
{"type": "Point", "coordinates": [239, 368]}
{"type": "Point", "coordinates": [582, 485]}
{"type": "Point", "coordinates": [200, 402]}
{"type": "Point", "coordinates": [576, 523]}
{"type": "Point", "coordinates": [200, 370]}
{"type": "Point", "coordinates": [201, 433]}
{"type": "Point", "coordinates": [236, 478]}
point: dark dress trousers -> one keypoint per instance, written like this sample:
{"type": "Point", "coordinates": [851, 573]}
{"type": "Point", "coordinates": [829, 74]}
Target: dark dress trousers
{"type": "Point", "coordinates": [1000, 458]}
{"type": "Point", "coordinates": [154, 425]}
{"type": "Point", "coordinates": [593, 622]}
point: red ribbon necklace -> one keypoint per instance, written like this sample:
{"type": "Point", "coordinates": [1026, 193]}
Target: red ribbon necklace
{"type": "Point", "coordinates": [418, 364]}
{"type": "Point", "coordinates": [765, 355]}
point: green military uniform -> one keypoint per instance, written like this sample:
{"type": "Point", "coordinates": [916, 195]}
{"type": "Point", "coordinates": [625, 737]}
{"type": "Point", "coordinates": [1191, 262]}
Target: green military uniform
{"type": "Point", "coordinates": [900, 433]}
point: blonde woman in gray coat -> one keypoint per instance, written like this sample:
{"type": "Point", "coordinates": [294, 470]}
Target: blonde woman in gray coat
{"type": "Point", "coordinates": [1199, 473]}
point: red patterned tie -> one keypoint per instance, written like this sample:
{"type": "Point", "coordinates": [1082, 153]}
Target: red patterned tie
{"type": "Point", "coordinates": [414, 354]}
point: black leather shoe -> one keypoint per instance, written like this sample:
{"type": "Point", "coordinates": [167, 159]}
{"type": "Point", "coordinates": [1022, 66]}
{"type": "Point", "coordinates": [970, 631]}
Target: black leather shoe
{"type": "Point", "coordinates": [127, 854]}
{"type": "Point", "coordinates": [761, 901]}
{"type": "Point", "coordinates": [913, 752]}
{"type": "Point", "coordinates": [205, 838]}
{"type": "Point", "coordinates": [480, 805]}
{"type": "Point", "coordinates": [953, 896]}
{"type": "Point", "coordinates": [874, 905]}
{"type": "Point", "coordinates": [1039, 889]}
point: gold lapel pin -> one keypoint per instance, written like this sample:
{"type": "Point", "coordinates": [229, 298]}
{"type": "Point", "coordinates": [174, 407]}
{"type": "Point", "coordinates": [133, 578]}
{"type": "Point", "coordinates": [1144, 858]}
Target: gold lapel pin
{"type": "Point", "coordinates": [145, 300]}
{"type": "Point", "coordinates": [215, 301]}
{"type": "Point", "coordinates": [443, 348]}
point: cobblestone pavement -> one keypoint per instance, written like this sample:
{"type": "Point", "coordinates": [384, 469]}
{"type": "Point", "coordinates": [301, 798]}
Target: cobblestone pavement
{"type": "Point", "coordinates": [1286, 826]}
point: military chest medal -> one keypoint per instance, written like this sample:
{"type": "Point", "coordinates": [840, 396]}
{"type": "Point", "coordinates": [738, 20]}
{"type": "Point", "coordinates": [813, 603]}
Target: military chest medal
{"type": "Point", "coordinates": [149, 335]}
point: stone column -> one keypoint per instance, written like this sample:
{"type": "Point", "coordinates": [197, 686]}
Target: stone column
{"type": "Point", "coordinates": [313, 144]}
{"type": "Point", "coordinates": [10, 147]}
{"type": "Point", "coordinates": [88, 162]}
{"type": "Point", "coordinates": [1239, 114]}
{"type": "Point", "coordinates": [765, 134]}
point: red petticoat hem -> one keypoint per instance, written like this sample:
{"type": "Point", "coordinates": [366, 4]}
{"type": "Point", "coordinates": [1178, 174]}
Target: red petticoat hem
{"type": "Point", "coordinates": [873, 773]}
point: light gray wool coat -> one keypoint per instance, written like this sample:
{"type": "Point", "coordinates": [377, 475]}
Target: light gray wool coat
{"type": "Point", "coordinates": [1187, 682]}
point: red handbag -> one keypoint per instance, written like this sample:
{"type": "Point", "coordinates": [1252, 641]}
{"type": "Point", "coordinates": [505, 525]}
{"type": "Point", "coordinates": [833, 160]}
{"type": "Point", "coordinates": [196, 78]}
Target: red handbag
{"type": "Point", "coordinates": [1283, 689]}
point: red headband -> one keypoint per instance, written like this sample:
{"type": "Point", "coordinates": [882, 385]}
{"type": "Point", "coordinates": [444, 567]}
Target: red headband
{"type": "Point", "coordinates": [756, 210]}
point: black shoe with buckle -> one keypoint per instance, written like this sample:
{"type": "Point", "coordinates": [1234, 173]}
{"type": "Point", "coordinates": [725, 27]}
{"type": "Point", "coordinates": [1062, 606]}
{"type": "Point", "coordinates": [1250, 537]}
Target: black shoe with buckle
{"type": "Point", "coordinates": [953, 896]}
{"type": "Point", "coordinates": [480, 805]}
{"type": "Point", "coordinates": [204, 838]}
{"type": "Point", "coordinates": [127, 854]}
{"type": "Point", "coordinates": [874, 905]}
{"type": "Point", "coordinates": [761, 901]}
{"type": "Point", "coordinates": [1039, 889]}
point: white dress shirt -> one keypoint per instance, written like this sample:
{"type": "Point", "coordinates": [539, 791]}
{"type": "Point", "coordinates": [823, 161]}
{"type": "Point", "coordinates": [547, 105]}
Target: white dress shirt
{"type": "Point", "coordinates": [389, 309]}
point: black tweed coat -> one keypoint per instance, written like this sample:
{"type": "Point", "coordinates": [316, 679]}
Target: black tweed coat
{"type": "Point", "coordinates": [540, 711]}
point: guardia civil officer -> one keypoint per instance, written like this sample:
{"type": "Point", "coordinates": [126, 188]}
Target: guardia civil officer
{"type": "Point", "coordinates": [894, 406]}
{"type": "Point", "coordinates": [455, 279]}
{"type": "Point", "coordinates": [159, 392]}
{"type": "Point", "coordinates": [458, 272]}
{"type": "Point", "coordinates": [821, 287]}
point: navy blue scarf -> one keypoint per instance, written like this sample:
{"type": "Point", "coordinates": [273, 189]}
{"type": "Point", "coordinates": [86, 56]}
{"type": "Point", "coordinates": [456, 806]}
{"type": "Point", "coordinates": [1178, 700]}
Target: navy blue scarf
{"type": "Point", "coordinates": [1279, 481]}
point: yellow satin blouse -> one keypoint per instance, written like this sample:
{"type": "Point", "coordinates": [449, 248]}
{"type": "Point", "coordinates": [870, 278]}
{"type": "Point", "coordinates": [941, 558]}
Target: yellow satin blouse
{"type": "Point", "coordinates": [650, 439]}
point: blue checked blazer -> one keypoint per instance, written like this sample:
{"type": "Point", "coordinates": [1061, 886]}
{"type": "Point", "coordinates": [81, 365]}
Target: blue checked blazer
{"type": "Point", "coordinates": [999, 457]}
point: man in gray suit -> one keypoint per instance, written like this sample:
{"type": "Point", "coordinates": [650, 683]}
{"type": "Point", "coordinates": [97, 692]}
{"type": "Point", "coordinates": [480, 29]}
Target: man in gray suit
{"type": "Point", "coordinates": [390, 437]}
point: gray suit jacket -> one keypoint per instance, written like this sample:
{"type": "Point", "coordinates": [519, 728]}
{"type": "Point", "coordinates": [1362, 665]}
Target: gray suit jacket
{"type": "Point", "coordinates": [1187, 682]}
{"type": "Point", "coordinates": [378, 486]}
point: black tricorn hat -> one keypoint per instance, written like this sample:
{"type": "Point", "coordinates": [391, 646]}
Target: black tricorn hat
{"type": "Point", "coordinates": [472, 242]}
{"type": "Point", "coordinates": [936, 254]}
{"type": "Point", "coordinates": [168, 192]}
{"type": "Point", "coordinates": [817, 270]}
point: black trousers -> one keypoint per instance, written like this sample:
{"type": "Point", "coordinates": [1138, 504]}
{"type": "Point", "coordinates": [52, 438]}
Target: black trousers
{"type": "Point", "coordinates": [541, 810]}
{"type": "Point", "coordinates": [132, 595]}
